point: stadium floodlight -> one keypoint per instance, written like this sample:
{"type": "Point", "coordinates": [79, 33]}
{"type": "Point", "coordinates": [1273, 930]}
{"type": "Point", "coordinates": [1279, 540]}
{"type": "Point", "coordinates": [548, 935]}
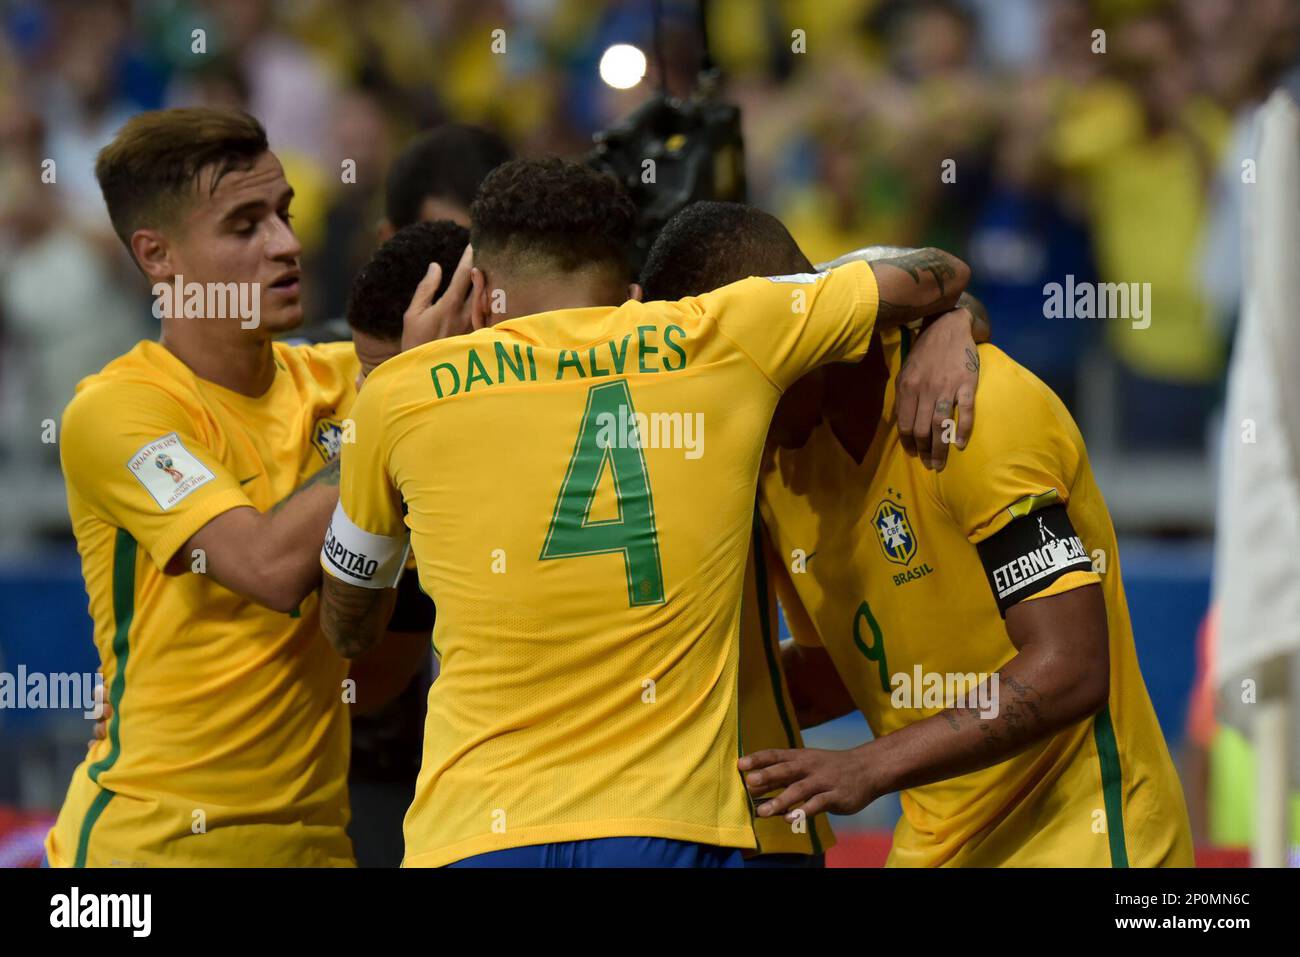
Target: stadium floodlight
{"type": "Point", "coordinates": [670, 152]}
{"type": "Point", "coordinates": [622, 66]}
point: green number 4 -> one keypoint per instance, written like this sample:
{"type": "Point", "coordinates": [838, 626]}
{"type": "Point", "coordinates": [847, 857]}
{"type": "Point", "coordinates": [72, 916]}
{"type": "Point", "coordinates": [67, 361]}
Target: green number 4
{"type": "Point", "coordinates": [572, 533]}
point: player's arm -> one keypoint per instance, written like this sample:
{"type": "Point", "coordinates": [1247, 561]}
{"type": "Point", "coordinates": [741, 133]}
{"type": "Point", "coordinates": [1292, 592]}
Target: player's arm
{"type": "Point", "coordinates": [934, 400]}
{"type": "Point", "coordinates": [269, 557]}
{"type": "Point", "coordinates": [352, 617]}
{"type": "Point", "coordinates": [384, 671]}
{"type": "Point", "coordinates": [912, 284]}
{"type": "Point", "coordinates": [816, 689]}
{"type": "Point", "coordinates": [1008, 496]}
{"type": "Point", "coordinates": [980, 328]}
{"type": "Point", "coordinates": [137, 457]}
{"type": "Point", "coordinates": [367, 542]}
{"type": "Point", "coordinates": [1059, 676]}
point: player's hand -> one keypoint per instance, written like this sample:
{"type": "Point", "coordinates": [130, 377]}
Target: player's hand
{"type": "Point", "coordinates": [813, 781]}
{"type": "Point", "coordinates": [426, 320]}
{"type": "Point", "coordinates": [935, 398]}
{"type": "Point", "coordinates": [100, 730]}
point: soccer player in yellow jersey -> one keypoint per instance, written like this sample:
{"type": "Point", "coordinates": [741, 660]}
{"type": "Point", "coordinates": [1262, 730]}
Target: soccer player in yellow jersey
{"type": "Point", "coordinates": [201, 472]}
{"type": "Point", "coordinates": [577, 480]}
{"type": "Point", "coordinates": [380, 295]}
{"type": "Point", "coordinates": [975, 614]}
{"type": "Point", "coordinates": [767, 716]}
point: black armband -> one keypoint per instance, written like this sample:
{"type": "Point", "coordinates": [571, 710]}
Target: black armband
{"type": "Point", "coordinates": [1030, 553]}
{"type": "Point", "coordinates": [413, 610]}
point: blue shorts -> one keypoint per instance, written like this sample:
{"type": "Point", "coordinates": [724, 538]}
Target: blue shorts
{"type": "Point", "coordinates": [609, 852]}
{"type": "Point", "coordinates": [761, 861]}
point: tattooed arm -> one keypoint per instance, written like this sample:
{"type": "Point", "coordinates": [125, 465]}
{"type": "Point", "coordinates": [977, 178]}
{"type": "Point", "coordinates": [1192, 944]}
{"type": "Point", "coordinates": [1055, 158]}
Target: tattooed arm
{"type": "Point", "coordinates": [354, 618]}
{"type": "Point", "coordinates": [272, 557]}
{"type": "Point", "coordinates": [1060, 676]}
{"type": "Point", "coordinates": [981, 329]}
{"type": "Point", "coordinates": [913, 283]}
{"type": "Point", "coordinates": [934, 402]}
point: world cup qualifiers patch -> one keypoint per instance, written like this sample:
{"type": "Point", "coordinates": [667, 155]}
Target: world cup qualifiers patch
{"type": "Point", "coordinates": [361, 558]}
{"type": "Point", "coordinates": [1030, 553]}
{"type": "Point", "coordinates": [168, 470]}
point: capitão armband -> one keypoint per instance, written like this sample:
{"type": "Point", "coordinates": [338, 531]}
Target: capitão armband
{"type": "Point", "coordinates": [1030, 553]}
{"type": "Point", "coordinates": [361, 558]}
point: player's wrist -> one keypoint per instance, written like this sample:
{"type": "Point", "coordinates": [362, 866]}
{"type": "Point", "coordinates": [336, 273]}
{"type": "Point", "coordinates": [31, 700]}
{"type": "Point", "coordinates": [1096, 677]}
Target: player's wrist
{"type": "Point", "coordinates": [873, 762]}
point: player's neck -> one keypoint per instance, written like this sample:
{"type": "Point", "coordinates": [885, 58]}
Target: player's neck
{"type": "Point", "coordinates": [579, 289]}
{"type": "Point", "coordinates": [242, 363]}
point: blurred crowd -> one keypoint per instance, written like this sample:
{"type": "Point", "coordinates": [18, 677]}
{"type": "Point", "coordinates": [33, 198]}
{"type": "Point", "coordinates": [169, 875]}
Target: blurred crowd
{"type": "Point", "coordinates": [1105, 140]}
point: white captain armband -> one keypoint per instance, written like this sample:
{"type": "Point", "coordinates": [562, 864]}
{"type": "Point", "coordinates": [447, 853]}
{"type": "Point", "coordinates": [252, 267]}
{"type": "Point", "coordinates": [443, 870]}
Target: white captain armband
{"type": "Point", "coordinates": [361, 558]}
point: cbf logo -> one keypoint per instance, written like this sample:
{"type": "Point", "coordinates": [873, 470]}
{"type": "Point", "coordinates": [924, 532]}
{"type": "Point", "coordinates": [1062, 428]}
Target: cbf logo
{"type": "Point", "coordinates": [896, 536]}
{"type": "Point", "coordinates": [328, 438]}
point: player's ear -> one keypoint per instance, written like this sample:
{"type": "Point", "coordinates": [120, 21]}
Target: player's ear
{"type": "Point", "coordinates": [385, 230]}
{"type": "Point", "coordinates": [480, 301]}
{"type": "Point", "coordinates": [153, 255]}
{"type": "Point", "coordinates": [634, 291]}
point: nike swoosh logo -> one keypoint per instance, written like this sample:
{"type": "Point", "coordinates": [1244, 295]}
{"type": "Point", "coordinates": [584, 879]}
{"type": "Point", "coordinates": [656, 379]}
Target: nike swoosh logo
{"type": "Point", "coordinates": [249, 479]}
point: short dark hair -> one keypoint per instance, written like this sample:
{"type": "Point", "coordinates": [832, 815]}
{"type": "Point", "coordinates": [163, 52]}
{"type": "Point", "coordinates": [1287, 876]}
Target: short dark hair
{"type": "Point", "coordinates": [384, 286]}
{"type": "Point", "coordinates": [446, 162]}
{"type": "Point", "coordinates": [710, 244]}
{"type": "Point", "coordinates": [554, 213]}
{"type": "Point", "coordinates": [149, 171]}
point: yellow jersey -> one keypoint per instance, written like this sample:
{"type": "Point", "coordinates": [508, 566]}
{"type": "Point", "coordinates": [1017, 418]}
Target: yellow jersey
{"type": "Point", "coordinates": [228, 743]}
{"type": "Point", "coordinates": [579, 490]}
{"type": "Point", "coordinates": [767, 715]}
{"type": "Point", "coordinates": [895, 590]}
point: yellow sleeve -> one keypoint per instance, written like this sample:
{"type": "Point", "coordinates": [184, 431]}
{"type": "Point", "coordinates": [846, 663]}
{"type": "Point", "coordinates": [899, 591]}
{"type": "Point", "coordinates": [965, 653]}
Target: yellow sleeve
{"type": "Point", "coordinates": [367, 541]}
{"type": "Point", "coordinates": [1020, 464]}
{"type": "Point", "coordinates": [133, 455]}
{"type": "Point", "coordinates": [366, 493]}
{"type": "Point", "coordinates": [790, 325]}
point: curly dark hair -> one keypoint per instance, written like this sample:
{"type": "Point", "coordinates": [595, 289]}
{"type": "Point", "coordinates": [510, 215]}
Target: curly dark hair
{"type": "Point", "coordinates": [710, 244]}
{"type": "Point", "coordinates": [555, 214]}
{"type": "Point", "coordinates": [384, 286]}
{"type": "Point", "coordinates": [447, 162]}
